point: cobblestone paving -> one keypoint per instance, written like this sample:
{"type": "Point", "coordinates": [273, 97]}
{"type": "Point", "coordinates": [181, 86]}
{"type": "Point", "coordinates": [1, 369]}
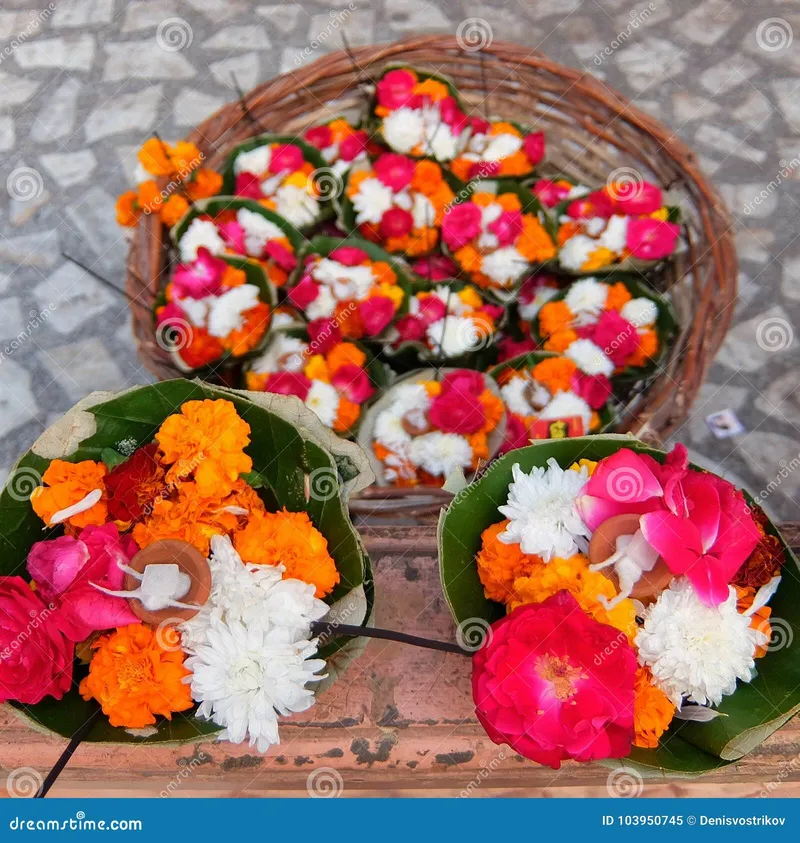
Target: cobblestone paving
{"type": "Point", "coordinates": [82, 83]}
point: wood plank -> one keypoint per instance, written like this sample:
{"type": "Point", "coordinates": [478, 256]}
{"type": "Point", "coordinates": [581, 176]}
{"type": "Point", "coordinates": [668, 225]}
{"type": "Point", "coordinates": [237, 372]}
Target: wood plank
{"type": "Point", "coordinates": [399, 722]}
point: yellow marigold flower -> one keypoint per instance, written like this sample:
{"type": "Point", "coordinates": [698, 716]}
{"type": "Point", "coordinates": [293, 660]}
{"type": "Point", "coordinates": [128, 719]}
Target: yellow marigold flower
{"type": "Point", "coordinates": [67, 484]}
{"type": "Point", "coordinates": [590, 465]}
{"type": "Point", "coordinates": [154, 157]}
{"type": "Point", "coordinates": [317, 368]}
{"type": "Point", "coordinates": [134, 678]}
{"type": "Point", "coordinates": [598, 258]}
{"type": "Point", "coordinates": [289, 539]}
{"type": "Point", "coordinates": [652, 711]}
{"type": "Point", "coordinates": [344, 354]}
{"type": "Point", "coordinates": [499, 565]}
{"type": "Point", "coordinates": [173, 209]}
{"type": "Point", "coordinates": [207, 440]}
{"type": "Point", "coordinates": [585, 585]}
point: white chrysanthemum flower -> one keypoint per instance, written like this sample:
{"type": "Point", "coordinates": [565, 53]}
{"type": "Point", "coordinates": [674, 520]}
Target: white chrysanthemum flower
{"type": "Point", "coordinates": [586, 299]}
{"type": "Point", "coordinates": [346, 282]}
{"type": "Point", "coordinates": [226, 312]}
{"type": "Point", "coordinates": [590, 358]}
{"type": "Point", "coordinates": [697, 651]}
{"type": "Point", "coordinates": [641, 312]}
{"type": "Point", "coordinates": [440, 142]}
{"type": "Point", "coordinates": [258, 231]}
{"type": "Point", "coordinates": [390, 433]}
{"type": "Point", "coordinates": [454, 335]}
{"type": "Point", "coordinates": [527, 310]}
{"type": "Point", "coordinates": [323, 305]}
{"type": "Point", "coordinates": [250, 651]}
{"type": "Point", "coordinates": [576, 251]}
{"type": "Point", "coordinates": [422, 211]}
{"type": "Point", "coordinates": [323, 399]}
{"type": "Point", "coordinates": [200, 233]}
{"type": "Point", "coordinates": [504, 265]}
{"type": "Point", "coordinates": [403, 129]}
{"type": "Point", "coordinates": [297, 205]}
{"type": "Point", "coordinates": [196, 310]}
{"type": "Point", "coordinates": [283, 354]}
{"type": "Point", "coordinates": [439, 453]}
{"type": "Point", "coordinates": [410, 396]}
{"type": "Point", "coordinates": [615, 234]}
{"type": "Point", "coordinates": [515, 396]}
{"type": "Point", "coordinates": [578, 190]}
{"type": "Point", "coordinates": [372, 201]}
{"type": "Point", "coordinates": [541, 510]}
{"type": "Point", "coordinates": [256, 161]}
{"type": "Point", "coordinates": [567, 404]}
{"type": "Point", "coordinates": [501, 146]}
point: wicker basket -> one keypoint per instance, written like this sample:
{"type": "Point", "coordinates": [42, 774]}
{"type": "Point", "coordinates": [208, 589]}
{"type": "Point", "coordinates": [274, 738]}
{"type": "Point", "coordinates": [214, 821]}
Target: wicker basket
{"type": "Point", "coordinates": [591, 130]}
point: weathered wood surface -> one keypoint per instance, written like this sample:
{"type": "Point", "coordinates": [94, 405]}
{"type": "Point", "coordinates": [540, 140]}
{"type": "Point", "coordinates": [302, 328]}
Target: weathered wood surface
{"type": "Point", "coordinates": [399, 722]}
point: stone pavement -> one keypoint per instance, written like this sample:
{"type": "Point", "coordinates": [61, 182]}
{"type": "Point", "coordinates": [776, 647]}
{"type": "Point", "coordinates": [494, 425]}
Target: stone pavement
{"type": "Point", "coordinates": [82, 83]}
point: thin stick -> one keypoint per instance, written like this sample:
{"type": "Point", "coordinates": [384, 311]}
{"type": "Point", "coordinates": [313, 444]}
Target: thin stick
{"type": "Point", "coordinates": [98, 277]}
{"type": "Point", "coordinates": [63, 760]}
{"type": "Point", "coordinates": [243, 105]}
{"type": "Point", "coordinates": [321, 628]}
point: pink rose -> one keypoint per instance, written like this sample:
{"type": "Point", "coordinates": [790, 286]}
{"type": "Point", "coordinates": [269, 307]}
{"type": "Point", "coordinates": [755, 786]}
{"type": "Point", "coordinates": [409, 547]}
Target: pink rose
{"type": "Point", "coordinates": [323, 335]}
{"type": "Point", "coordinates": [549, 193]}
{"type": "Point", "coordinates": [517, 434]}
{"type": "Point", "coordinates": [435, 268]}
{"type": "Point", "coordinates": [461, 224]}
{"type": "Point", "coordinates": [288, 383]}
{"type": "Point", "coordinates": [394, 89]}
{"type": "Point", "coordinates": [233, 235]}
{"type": "Point", "coordinates": [479, 125]}
{"type": "Point", "coordinates": [36, 645]}
{"type": "Point", "coordinates": [533, 144]}
{"type": "Point", "coordinates": [199, 278]}
{"type": "Point", "coordinates": [616, 336]}
{"type": "Point", "coordinates": [395, 171]}
{"type": "Point", "coordinates": [555, 684]}
{"type": "Point", "coordinates": [349, 256]}
{"type": "Point", "coordinates": [457, 410]}
{"type": "Point", "coordinates": [637, 198]}
{"type": "Point", "coordinates": [353, 382]}
{"type": "Point", "coordinates": [319, 136]}
{"type": "Point", "coordinates": [510, 348]}
{"type": "Point", "coordinates": [409, 329]}
{"type": "Point", "coordinates": [376, 313]}
{"type": "Point", "coordinates": [596, 204]}
{"type": "Point", "coordinates": [594, 389]}
{"type": "Point", "coordinates": [171, 314]}
{"type": "Point", "coordinates": [303, 293]}
{"type": "Point", "coordinates": [282, 256]}
{"type": "Point", "coordinates": [452, 115]}
{"type": "Point", "coordinates": [467, 381]}
{"type": "Point", "coordinates": [431, 309]}
{"type": "Point", "coordinates": [650, 239]}
{"type": "Point", "coordinates": [507, 227]}
{"type": "Point", "coordinates": [484, 169]}
{"type": "Point", "coordinates": [248, 185]}
{"type": "Point", "coordinates": [285, 159]}
{"type": "Point", "coordinates": [353, 145]}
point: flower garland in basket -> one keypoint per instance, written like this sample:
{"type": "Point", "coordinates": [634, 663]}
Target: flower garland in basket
{"type": "Point", "coordinates": [423, 429]}
{"type": "Point", "coordinates": [331, 379]}
{"type": "Point", "coordinates": [398, 203]}
{"type": "Point", "coordinates": [498, 150]}
{"type": "Point", "coordinates": [164, 584]}
{"type": "Point", "coordinates": [549, 396]}
{"type": "Point", "coordinates": [341, 144]}
{"type": "Point", "coordinates": [602, 327]}
{"type": "Point", "coordinates": [169, 179]}
{"type": "Point", "coordinates": [494, 238]}
{"type": "Point", "coordinates": [358, 291]}
{"type": "Point", "coordinates": [636, 593]}
{"type": "Point", "coordinates": [448, 321]}
{"type": "Point", "coordinates": [283, 173]}
{"type": "Point", "coordinates": [609, 226]}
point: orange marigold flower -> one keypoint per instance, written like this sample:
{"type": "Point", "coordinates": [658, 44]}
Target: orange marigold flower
{"type": "Point", "coordinates": [206, 439]}
{"type": "Point", "coordinates": [461, 168]}
{"type": "Point", "coordinates": [535, 244]}
{"type": "Point", "coordinates": [554, 316]}
{"type": "Point", "coordinates": [517, 164]}
{"type": "Point", "coordinates": [469, 258]}
{"type": "Point", "coordinates": [427, 175]}
{"type": "Point", "coordinates": [585, 585]}
{"type": "Point", "coordinates": [567, 230]}
{"type": "Point", "coordinates": [345, 354]}
{"type": "Point", "coordinates": [480, 447]}
{"type": "Point", "coordinates": [493, 409]}
{"type": "Point", "coordinates": [560, 340]}
{"type": "Point", "coordinates": [419, 243]}
{"type": "Point", "coordinates": [185, 157]}
{"type": "Point", "coordinates": [154, 157]}
{"type": "Point", "coordinates": [648, 348]}
{"type": "Point", "coordinates": [289, 539]}
{"type": "Point", "coordinates": [555, 373]}
{"type": "Point", "coordinates": [617, 297]}
{"type": "Point", "coordinates": [652, 711]}
{"type": "Point", "coordinates": [483, 199]}
{"type": "Point", "coordinates": [255, 323]}
{"type": "Point", "coordinates": [346, 415]}
{"type": "Point", "coordinates": [499, 565]}
{"type": "Point", "coordinates": [204, 183]}
{"type": "Point", "coordinates": [201, 349]}
{"type": "Point", "coordinates": [383, 273]}
{"type": "Point", "coordinates": [127, 209]}
{"type": "Point", "coordinates": [66, 484]}
{"type": "Point", "coordinates": [433, 88]}
{"type": "Point", "coordinates": [149, 197]}
{"type": "Point", "coordinates": [759, 619]}
{"type": "Point", "coordinates": [509, 202]}
{"type": "Point", "coordinates": [134, 678]}
{"type": "Point", "coordinates": [173, 209]}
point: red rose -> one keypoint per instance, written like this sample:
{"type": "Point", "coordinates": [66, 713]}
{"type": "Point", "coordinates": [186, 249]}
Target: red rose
{"type": "Point", "coordinates": [248, 185]}
{"type": "Point", "coordinates": [36, 646]}
{"type": "Point", "coordinates": [376, 313]}
{"type": "Point", "coordinates": [596, 204]}
{"type": "Point", "coordinates": [453, 115]}
{"type": "Point", "coordinates": [394, 89]}
{"type": "Point", "coordinates": [554, 684]}
{"type": "Point", "coordinates": [409, 329]}
{"type": "Point", "coordinates": [435, 268]}
{"type": "Point", "coordinates": [134, 484]}
{"type": "Point", "coordinates": [479, 125]}
{"type": "Point", "coordinates": [454, 411]}
{"type": "Point", "coordinates": [353, 145]}
{"type": "Point", "coordinates": [282, 256]}
{"type": "Point", "coordinates": [431, 309]}
{"type": "Point", "coordinates": [484, 169]}
{"type": "Point", "coordinates": [594, 389]}
{"type": "Point", "coordinates": [464, 380]}
{"type": "Point", "coordinates": [533, 144]}
{"type": "Point", "coordinates": [461, 224]}
{"type": "Point", "coordinates": [395, 171]}
{"type": "Point", "coordinates": [288, 383]}
{"type": "Point", "coordinates": [353, 382]}
{"type": "Point", "coordinates": [323, 335]}
{"type": "Point", "coordinates": [319, 136]}
{"type": "Point", "coordinates": [396, 222]}
{"type": "Point", "coordinates": [510, 347]}
{"type": "Point", "coordinates": [349, 256]}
